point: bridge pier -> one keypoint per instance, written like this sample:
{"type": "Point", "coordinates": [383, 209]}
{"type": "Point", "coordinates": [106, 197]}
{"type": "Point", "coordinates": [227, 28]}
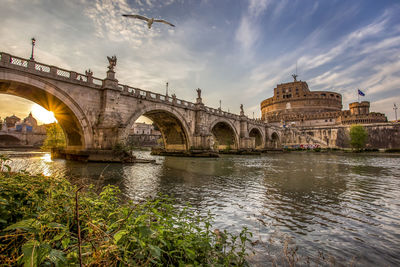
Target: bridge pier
{"type": "Point", "coordinates": [93, 155]}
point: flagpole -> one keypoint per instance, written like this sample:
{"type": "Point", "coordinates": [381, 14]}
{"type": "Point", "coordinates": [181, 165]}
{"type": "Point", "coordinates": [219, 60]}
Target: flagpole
{"type": "Point", "coordinates": [358, 95]}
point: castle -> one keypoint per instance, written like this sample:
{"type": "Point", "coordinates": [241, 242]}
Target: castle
{"type": "Point", "coordinates": [294, 104]}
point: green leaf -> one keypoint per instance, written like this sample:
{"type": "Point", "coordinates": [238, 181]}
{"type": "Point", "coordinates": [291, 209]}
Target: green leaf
{"type": "Point", "coordinates": [155, 251]}
{"type": "Point", "coordinates": [119, 235]}
{"type": "Point", "coordinates": [144, 231]}
{"type": "Point", "coordinates": [59, 236]}
{"type": "Point", "coordinates": [30, 250]}
{"type": "Point", "coordinates": [55, 225]}
{"type": "Point", "coordinates": [65, 242]}
{"type": "Point", "coordinates": [27, 225]}
{"type": "Point", "coordinates": [57, 257]}
{"type": "Point", "coordinates": [8, 168]}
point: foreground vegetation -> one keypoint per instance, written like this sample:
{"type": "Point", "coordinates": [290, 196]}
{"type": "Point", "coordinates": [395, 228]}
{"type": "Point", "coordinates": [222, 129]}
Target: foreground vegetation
{"type": "Point", "coordinates": [47, 221]}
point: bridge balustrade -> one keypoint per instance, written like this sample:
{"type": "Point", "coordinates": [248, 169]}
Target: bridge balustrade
{"type": "Point", "coordinates": [63, 73]}
{"type": "Point", "coordinates": [19, 62]}
{"type": "Point", "coordinates": [41, 67]}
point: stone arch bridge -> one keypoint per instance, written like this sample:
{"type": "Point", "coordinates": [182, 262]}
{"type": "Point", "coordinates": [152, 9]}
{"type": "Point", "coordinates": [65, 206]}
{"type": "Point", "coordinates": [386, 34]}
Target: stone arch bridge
{"type": "Point", "coordinates": [20, 139]}
{"type": "Point", "coordinates": [96, 114]}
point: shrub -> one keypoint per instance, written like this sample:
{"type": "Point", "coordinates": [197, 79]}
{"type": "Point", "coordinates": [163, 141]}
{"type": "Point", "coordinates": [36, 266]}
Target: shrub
{"type": "Point", "coordinates": [358, 136]}
{"type": "Point", "coordinates": [55, 137]}
{"type": "Point", "coordinates": [39, 226]}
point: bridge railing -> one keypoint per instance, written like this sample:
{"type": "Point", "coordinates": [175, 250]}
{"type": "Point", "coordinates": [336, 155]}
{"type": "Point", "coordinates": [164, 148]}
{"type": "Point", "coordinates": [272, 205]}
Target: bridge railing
{"type": "Point", "coordinates": [48, 70]}
{"type": "Point", "coordinates": [148, 95]}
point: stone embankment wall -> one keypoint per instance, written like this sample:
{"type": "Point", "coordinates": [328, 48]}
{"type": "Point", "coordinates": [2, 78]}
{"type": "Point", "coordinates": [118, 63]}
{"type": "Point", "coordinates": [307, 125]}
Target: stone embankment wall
{"type": "Point", "coordinates": [380, 135]}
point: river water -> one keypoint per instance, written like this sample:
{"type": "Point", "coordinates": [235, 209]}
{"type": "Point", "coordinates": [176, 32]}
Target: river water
{"type": "Point", "coordinates": [337, 208]}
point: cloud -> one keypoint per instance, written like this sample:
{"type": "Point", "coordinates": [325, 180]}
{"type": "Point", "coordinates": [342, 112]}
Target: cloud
{"type": "Point", "coordinates": [248, 31]}
{"type": "Point", "coordinates": [257, 7]}
{"type": "Point", "coordinates": [239, 61]}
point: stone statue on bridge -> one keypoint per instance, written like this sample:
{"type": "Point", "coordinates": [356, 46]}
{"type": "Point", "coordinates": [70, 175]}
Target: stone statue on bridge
{"type": "Point", "coordinates": [112, 61]}
{"type": "Point", "coordinates": [89, 73]}
{"type": "Point", "coordinates": [241, 109]}
{"type": "Point", "coordinates": [198, 99]}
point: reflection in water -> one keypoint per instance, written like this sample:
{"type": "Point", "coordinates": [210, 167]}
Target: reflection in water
{"type": "Point", "coordinates": [342, 204]}
{"type": "Point", "coordinates": [45, 160]}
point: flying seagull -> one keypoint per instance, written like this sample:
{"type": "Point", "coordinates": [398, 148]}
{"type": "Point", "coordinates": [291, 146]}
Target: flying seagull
{"type": "Point", "coordinates": [149, 21]}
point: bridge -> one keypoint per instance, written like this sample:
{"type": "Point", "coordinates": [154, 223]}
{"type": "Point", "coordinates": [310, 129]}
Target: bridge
{"type": "Point", "coordinates": [21, 139]}
{"type": "Point", "coordinates": [96, 114]}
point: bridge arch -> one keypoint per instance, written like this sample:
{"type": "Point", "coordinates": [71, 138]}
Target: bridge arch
{"type": "Point", "coordinates": [224, 134]}
{"type": "Point", "coordinates": [275, 140]}
{"type": "Point", "coordinates": [8, 139]}
{"type": "Point", "coordinates": [257, 133]}
{"type": "Point", "coordinates": [172, 124]}
{"type": "Point", "coordinates": [67, 111]}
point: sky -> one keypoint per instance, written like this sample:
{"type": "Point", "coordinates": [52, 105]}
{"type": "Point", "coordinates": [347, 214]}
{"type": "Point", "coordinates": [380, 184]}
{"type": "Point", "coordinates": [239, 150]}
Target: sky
{"type": "Point", "coordinates": [236, 51]}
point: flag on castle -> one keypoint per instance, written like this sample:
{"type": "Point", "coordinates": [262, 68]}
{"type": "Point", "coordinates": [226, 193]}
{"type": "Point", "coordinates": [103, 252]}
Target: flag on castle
{"type": "Point", "coordinates": [361, 93]}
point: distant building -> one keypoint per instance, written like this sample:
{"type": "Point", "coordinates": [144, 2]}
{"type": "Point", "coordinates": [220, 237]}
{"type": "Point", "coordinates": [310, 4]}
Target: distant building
{"type": "Point", "coordinates": [294, 104]}
{"type": "Point", "coordinates": [142, 128]}
{"type": "Point", "coordinates": [14, 132]}
{"type": "Point", "coordinates": [11, 121]}
{"type": "Point", "coordinates": [143, 134]}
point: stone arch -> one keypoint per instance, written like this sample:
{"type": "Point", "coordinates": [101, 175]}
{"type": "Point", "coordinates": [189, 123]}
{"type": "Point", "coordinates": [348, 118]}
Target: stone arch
{"type": "Point", "coordinates": [67, 111]}
{"type": "Point", "coordinates": [275, 142]}
{"type": "Point", "coordinates": [259, 138]}
{"type": "Point", "coordinates": [173, 127]}
{"type": "Point", "coordinates": [9, 140]}
{"type": "Point", "coordinates": [224, 134]}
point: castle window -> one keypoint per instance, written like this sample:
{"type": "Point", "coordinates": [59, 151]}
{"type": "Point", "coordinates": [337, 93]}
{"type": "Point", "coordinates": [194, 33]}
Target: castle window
{"type": "Point", "coordinates": [331, 95]}
{"type": "Point", "coordinates": [323, 94]}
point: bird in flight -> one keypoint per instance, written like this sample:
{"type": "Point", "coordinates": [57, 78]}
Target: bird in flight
{"type": "Point", "coordinates": [149, 21]}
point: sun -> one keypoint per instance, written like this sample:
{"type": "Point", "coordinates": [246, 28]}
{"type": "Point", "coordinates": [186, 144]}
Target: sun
{"type": "Point", "coordinates": [42, 114]}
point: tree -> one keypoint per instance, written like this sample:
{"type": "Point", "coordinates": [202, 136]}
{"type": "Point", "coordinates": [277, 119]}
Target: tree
{"type": "Point", "coordinates": [55, 136]}
{"type": "Point", "coordinates": [358, 136]}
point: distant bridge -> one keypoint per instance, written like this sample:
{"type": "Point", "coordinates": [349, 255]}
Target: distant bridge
{"type": "Point", "coordinates": [96, 114]}
{"type": "Point", "coordinates": [13, 138]}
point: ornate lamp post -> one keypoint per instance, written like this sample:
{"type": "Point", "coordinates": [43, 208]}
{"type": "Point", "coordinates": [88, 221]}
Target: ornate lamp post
{"type": "Point", "coordinates": [395, 110]}
{"type": "Point", "coordinates": [33, 47]}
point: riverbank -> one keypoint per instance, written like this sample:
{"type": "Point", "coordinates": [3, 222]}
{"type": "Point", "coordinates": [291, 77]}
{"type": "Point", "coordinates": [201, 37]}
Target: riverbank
{"type": "Point", "coordinates": [326, 203]}
{"type": "Point", "coordinates": [46, 220]}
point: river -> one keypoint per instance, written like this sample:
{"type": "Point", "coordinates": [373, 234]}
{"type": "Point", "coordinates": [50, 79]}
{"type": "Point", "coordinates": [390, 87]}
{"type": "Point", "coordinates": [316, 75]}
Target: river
{"type": "Point", "coordinates": [330, 207]}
